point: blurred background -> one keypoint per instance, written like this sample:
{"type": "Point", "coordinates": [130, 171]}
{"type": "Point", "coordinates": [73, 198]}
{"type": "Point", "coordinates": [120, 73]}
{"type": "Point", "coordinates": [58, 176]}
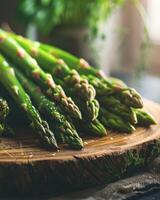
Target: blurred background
{"type": "Point", "coordinates": [120, 36]}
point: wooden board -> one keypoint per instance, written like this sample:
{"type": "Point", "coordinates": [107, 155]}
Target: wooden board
{"type": "Point", "coordinates": [25, 168]}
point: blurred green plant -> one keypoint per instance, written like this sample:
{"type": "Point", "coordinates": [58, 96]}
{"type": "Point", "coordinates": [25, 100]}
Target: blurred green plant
{"type": "Point", "coordinates": [145, 44]}
{"type": "Point", "coordinates": [47, 14]}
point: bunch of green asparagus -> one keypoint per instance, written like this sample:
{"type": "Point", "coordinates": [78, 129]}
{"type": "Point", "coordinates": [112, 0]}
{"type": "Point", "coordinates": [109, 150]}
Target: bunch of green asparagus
{"type": "Point", "coordinates": [62, 96]}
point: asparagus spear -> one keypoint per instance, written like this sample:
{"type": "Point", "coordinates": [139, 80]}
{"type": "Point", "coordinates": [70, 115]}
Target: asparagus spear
{"type": "Point", "coordinates": [59, 70]}
{"type": "Point", "coordinates": [104, 87]}
{"type": "Point", "coordinates": [12, 85]}
{"type": "Point", "coordinates": [80, 64]}
{"type": "Point", "coordinates": [130, 92]}
{"type": "Point", "coordinates": [77, 86]}
{"type": "Point", "coordinates": [116, 81]}
{"type": "Point", "coordinates": [93, 128]}
{"type": "Point", "coordinates": [114, 122]}
{"type": "Point", "coordinates": [101, 88]}
{"type": "Point", "coordinates": [66, 130]}
{"type": "Point", "coordinates": [109, 100]}
{"type": "Point", "coordinates": [144, 118]}
{"type": "Point", "coordinates": [114, 105]}
{"type": "Point", "coordinates": [109, 96]}
{"type": "Point", "coordinates": [70, 80]}
{"type": "Point", "coordinates": [128, 95]}
{"type": "Point", "coordinates": [89, 109]}
{"type": "Point", "coordinates": [15, 52]}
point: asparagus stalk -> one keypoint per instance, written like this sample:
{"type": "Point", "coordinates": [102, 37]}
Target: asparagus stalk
{"type": "Point", "coordinates": [116, 81]}
{"type": "Point", "coordinates": [110, 101]}
{"type": "Point", "coordinates": [89, 109]}
{"type": "Point", "coordinates": [96, 128]}
{"type": "Point", "coordinates": [144, 118]}
{"type": "Point", "coordinates": [104, 87]}
{"type": "Point", "coordinates": [128, 95]}
{"type": "Point", "coordinates": [100, 86]}
{"type": "Point", "coordinates": [29, 65]}
{"type": "Point", "coordinates": [59, 70]}
{"type": "Point", "coordinates": [112, 121]}
{"type": "Point", "coordinates": [114, 105]}
{"type": "Point", "coordinates": [66, 130]}
{"type": "Point", "coordinates": [93, 128]}
{"type": "Point", "coordinates": [12, 85]}
{"type": "Point", "coordinates": [70, 80]}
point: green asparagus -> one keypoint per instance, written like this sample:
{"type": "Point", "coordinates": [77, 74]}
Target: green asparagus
{"type": "Point", "coordinates": [70, 80]}
{"type": "Point", "coordinates": [93, 128]}
{"type": "Point", "coordinates": [133, 95]}
{"type": "Point", "coordinates": [59, 70]}
{"type": "Point", "coordinates": [103, 86]}
{"type": "Point", "coordinates": [64, 127]}
{"type": "Point", "coordinates": [128, 95]}
{"type": "Point", "coordinates": [12, 85]}
{"type": "Point", "coordinates": [110, 101]}
{"type": "Point", "coordinates": [114, 105]}
{"type": "Point", "coordinates": [89, 109]}
{"type": "Point", "coordinates": [120, 105]}
{"type": "Point", "coordinates": [116, 81]}
{"type": "Point", "coordinates": [29, 65]}
{"type": "Point", "coordinates": [66, 130]}
{"type": "Point", "coordinates": [112, 121]}
{"type": "Point", "coordinates": [144, 118]}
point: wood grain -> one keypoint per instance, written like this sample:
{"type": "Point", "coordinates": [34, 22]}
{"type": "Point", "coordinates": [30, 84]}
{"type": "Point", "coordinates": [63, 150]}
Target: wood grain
{"type": "Point", "coordinates": [26, 168]}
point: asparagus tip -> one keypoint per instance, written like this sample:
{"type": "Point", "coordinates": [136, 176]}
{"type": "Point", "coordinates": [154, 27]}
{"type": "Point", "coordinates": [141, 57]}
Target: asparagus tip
{"type": "Point", "coordinates": [77, 144]}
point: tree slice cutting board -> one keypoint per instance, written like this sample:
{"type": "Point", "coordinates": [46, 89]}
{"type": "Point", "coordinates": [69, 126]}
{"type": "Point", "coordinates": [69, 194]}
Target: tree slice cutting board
{"type": "Point", "coordinates": [25, 168]}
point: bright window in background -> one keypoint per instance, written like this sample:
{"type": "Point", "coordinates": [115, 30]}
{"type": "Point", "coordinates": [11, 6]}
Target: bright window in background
{"type": "Point", "coordinates": [153, 10]}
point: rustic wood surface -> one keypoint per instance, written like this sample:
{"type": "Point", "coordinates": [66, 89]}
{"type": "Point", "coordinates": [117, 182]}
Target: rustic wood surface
{"type": "Point", "coordinates": [27, 169]}
{"type": "Point", "coordinates": [142, 186]}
